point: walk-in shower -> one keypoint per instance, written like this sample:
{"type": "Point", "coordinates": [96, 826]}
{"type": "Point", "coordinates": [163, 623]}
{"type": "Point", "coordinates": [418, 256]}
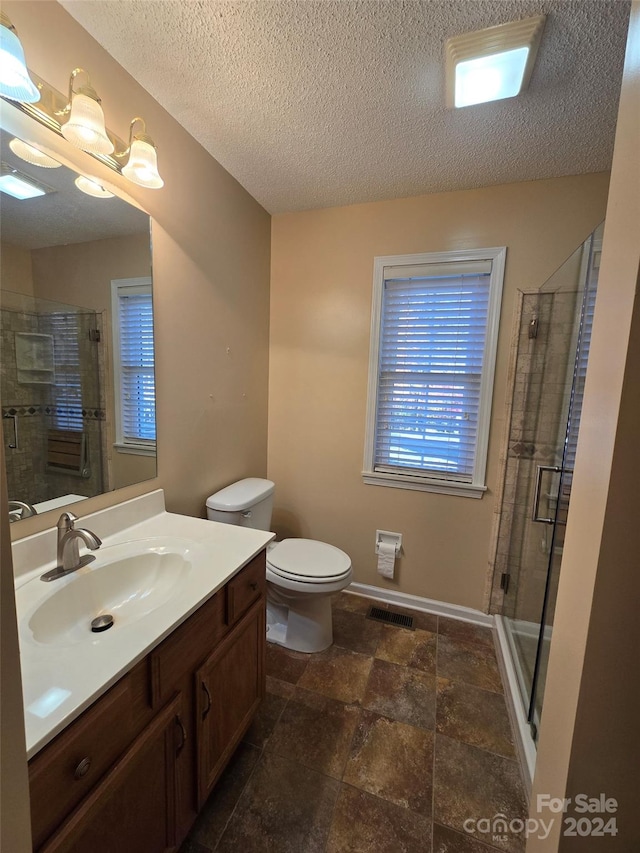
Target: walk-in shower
{"type": "Point", "coordinates": [549, 360]}
{"type": "Point", "coordinates": [51, 382]}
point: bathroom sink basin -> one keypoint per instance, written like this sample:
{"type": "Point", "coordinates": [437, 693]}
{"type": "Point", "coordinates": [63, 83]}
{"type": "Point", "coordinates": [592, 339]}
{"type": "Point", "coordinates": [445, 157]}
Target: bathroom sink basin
{"type": "Point", "coordinates": [127, 581]}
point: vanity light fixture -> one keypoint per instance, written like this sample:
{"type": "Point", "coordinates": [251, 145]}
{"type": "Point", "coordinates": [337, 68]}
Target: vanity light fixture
{"type": "Point", "coordinates": [85, 127]}
{"type": "Point", "coordinates": [33, 155]}
{"type": "Point", "coordinates": [492, 64]}
{"type": "Point", "coordinates": [142, 166]}
{"type": "Point", "coordinates": [15, 82]}
{"type": "Point", "coordinates": [92, 188]}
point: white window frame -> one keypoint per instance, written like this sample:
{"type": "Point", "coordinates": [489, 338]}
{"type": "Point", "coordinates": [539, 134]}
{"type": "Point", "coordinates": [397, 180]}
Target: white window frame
{"type": "Point", "coordinates": [122, 445]}
{"type": "Point", "coordinates": [432, 483]}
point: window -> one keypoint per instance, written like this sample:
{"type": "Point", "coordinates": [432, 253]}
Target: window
{"type": "Point", "coordinates": [133, 357]}
{"type": "Point", "coordinates": [67, 388]}
{"type": "Point", "coordinates": [433, 346]}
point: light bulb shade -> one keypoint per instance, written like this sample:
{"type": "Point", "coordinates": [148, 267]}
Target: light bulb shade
{"type": "Point", "coordinates": [142, 166]}
{"type": "Point", "coordinates": [33, 155]}
{"type": "Point", "coordinates": [85, 128]}
{"type": "Point", "coordinates": [15, 82]}
{"type": "Point", "coordinates": [91, 188]}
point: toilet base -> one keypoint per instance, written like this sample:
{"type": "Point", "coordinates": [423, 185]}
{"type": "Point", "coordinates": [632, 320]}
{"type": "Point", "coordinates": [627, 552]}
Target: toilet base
{"type": "Point", "coordinates": [305, 625]}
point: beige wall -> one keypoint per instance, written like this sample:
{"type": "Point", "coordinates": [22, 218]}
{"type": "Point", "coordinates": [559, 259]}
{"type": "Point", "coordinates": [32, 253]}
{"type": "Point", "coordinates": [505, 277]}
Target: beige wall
{"type": "Point", "coordinates": [81, 274]}
{"type": "Point", "coordinates": [321, 286]}
{"type": "Point", "coordinates": [211, 245]}
{"type": "Point", "coordinates": [15, 269]}
{"type": "Point", "coordinates": [589, 732]}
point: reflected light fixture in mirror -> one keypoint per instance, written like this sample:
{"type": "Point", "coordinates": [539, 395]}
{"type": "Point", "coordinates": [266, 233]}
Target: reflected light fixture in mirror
{"type": "Point", "coordinates": [33, 155]}
{"type": "Point", "coordinates": [92, 188]}
{"type": "Point", "coordinates": [18, 185]}
{"type": "Point", "coordinates": [142, 165]}
{"type": "Point", "coordinates": [85, 127]}
{"type": "Point", "coordinates": [15, 82]}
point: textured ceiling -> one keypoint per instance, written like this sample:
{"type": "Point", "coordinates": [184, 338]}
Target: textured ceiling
{"type": "Point", "coordinates": [314, 103]}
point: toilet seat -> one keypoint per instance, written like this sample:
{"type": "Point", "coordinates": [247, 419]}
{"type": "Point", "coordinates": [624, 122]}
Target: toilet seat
{"type": "Point", "coordinates": [308, 561]}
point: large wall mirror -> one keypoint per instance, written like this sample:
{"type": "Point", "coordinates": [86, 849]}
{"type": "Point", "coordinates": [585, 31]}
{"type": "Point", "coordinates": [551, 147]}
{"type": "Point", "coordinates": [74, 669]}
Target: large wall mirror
{"type": "Point", "coordinates": [77, 352]}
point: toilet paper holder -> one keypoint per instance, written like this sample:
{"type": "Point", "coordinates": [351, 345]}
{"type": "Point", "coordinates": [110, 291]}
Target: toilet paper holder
{"type": "Point", "coordinates": [387, 537]}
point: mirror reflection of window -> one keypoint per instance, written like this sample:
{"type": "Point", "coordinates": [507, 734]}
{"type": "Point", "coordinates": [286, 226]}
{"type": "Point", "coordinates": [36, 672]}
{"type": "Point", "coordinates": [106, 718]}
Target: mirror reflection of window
{"type": "Point", "coordinates": [67, 386]}
{"type": "Point", "coordinates": [132, 311]}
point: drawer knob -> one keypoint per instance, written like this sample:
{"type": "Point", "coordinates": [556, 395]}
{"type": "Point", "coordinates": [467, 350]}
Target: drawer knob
{"type": "Point", "coordinates": [82, 769]}
{"type": "Point", "coordinates": [254, 585]}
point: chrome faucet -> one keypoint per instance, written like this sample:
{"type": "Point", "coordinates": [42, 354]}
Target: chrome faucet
{"type": "Point", "coordinates": [21, 509]}
{"type": "Point", "coordinates": [69, 559]}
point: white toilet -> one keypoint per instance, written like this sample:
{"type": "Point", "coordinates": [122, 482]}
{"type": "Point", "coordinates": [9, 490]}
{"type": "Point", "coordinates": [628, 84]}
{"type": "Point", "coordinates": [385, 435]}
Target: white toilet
{"type": "Point", "coordinates": [301, 573]}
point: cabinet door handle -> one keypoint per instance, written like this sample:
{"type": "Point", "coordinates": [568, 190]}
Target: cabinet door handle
{"type": "Point", "coordinates": [208, 695]}
{"type": "Point", "coordinates": [82, 769]}
{"type": "Point", "coordinates": [183, 733]}
{"type": "Point", "coordinates": [254, 585]}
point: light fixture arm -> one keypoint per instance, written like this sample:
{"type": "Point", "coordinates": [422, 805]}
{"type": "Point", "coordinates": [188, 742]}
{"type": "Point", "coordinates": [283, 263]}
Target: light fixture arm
{"type": "Point", "coordinates": [87, 90]}
{"type": "Point", "coordinates": [143, 136]}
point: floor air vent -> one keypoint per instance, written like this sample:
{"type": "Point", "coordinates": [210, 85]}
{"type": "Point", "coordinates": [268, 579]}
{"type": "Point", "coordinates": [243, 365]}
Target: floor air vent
{"type": "Point", "coordinates": [391, 618]}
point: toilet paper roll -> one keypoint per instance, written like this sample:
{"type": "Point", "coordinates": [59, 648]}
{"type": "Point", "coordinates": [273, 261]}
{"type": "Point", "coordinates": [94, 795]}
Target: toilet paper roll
{"type": "Point", "coordinates": [386, 559]}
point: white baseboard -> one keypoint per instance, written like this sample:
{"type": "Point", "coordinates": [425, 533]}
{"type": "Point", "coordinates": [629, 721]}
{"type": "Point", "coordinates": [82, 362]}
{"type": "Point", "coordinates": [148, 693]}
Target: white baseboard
{"type": "Point", "coordinates": [426, 605]}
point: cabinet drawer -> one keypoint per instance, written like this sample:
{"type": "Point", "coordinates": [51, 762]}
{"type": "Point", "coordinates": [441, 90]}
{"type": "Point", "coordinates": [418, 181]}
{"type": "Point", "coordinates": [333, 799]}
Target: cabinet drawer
{"type": "Point", "coordinates": [66, 770]}
{"type": "Point", "coordinates": [186, 648]}
{"type": "Point", "coordinates": [132, 809]}
{"type": "Point", "coordinates": [246, 587]}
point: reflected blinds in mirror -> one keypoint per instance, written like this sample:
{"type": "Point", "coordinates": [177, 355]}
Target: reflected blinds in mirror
{"type": "Point", "coordinates": [67, 386]}
{"type": "Point", "coordinates": [135, 314]}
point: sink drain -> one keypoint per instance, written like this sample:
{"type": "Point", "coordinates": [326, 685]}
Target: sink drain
{"type": "Point", "coordinates": [101, 623]}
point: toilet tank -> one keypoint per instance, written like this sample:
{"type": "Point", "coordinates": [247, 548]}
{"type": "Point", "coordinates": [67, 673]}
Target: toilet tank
{"type": "Point", "coordinates": [247, 503]}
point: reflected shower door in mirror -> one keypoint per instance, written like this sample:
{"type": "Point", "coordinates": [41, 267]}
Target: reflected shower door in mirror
{"type": "Point", "coordinates": [77, 351]}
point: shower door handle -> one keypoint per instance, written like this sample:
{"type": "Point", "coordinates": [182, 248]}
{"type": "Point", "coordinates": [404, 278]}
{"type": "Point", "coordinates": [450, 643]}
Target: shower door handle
{"type": "Point", "coordinates": [14, 445]}
{"type": "Point", "coordinates": [540, 470]}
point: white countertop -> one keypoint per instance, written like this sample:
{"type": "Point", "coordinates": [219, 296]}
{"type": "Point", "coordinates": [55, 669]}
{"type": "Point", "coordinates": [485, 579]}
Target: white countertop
{"type": "Point", "coordinates": [61, 681]}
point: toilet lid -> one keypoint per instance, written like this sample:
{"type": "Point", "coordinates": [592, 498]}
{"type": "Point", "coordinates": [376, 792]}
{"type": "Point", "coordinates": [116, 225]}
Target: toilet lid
{"type": "Point", "coordinates": [308, 559]}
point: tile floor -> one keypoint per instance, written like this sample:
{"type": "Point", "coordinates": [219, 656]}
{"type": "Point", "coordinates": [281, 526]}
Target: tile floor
{"type": "Point", "coordinates": [387, 742]}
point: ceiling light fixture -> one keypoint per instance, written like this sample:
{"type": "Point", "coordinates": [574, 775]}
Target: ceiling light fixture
{"type": "Point", "coordinates": [18, 185]}
{"type": "Point", "coordinates": [492, 64]}
{"type": "Point", "coordinates": [85, 127]}
{"type": "Point", "coordinates": [142, 165]}
{"type": "Point", "coordinates": [33, 155]}
{"type": "Point", "coordinates": [15, 82]}
{"type": "Point", "coordinates": [92, 188]}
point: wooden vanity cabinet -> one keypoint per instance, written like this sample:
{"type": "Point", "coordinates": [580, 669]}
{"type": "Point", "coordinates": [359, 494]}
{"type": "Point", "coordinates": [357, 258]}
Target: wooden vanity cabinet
{"type": "Point", "coordinates": [130, 774]}
{"type": "Point", "coordinates": [133, 807]}
{"type": "Point", "coordinates": [229, 688]}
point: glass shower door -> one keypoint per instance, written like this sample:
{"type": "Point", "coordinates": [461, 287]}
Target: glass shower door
{"type": "Point", "coordinates": [552, 352]}
{"type": "Point", "coordinates": [585, 325]}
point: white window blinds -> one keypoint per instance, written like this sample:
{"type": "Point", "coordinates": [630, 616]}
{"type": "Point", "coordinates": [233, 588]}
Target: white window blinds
{"type": "Point", "coordinates": [67, 386]}
{"type": "Point", "coordinates": [434, 337]}
{"type": "Point", "coordinates": [135, 354]}
{"type": "Point", "coordinates": [580, 369]}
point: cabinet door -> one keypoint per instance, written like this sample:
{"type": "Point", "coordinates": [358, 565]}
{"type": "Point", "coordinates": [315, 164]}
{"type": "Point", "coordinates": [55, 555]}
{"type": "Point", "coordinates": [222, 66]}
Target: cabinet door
{"type": "Point", "coordinates": [133, 809]}
{"type": "Point", "coordinates": [229, 687]}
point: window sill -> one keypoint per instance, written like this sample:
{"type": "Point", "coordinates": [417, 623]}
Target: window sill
{"type": "Point", "coordinates": [423, 484]}
{"type": "Point", "coordinates": [135, 449]}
